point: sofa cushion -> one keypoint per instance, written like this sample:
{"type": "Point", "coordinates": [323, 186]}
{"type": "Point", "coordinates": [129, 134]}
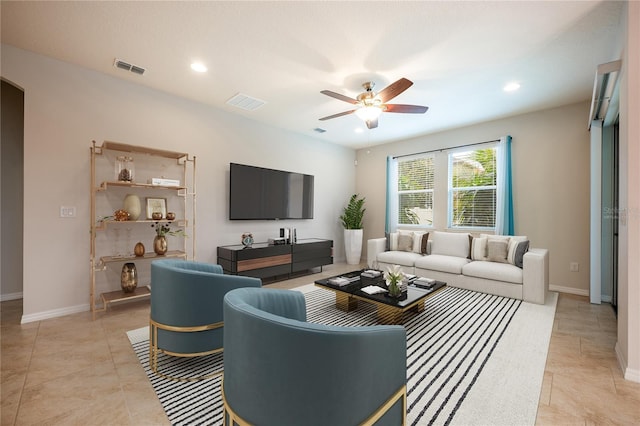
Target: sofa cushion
{"type": "Point", "coordinates": [395, 257]}
{"type": "Point", "coordinates": [441, 263]}
{"type": "Point", "coordinates": [450, 244]}
{"type": "Point", "coordinates": [493, 271]}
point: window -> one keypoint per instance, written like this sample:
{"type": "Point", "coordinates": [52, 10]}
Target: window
{"type": "Point", "coordinates": [472, 189]}
{"type": "Point", "coordinates": [415, 191]}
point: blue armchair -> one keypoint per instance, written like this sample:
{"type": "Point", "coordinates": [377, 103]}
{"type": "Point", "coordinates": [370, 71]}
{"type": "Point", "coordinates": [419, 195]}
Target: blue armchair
{"type": "Point", "coordinates": [186, 308]}
{"type": "Point", "coordinates": [281, 370]}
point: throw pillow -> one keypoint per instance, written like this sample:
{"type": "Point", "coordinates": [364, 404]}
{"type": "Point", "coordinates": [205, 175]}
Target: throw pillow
{"type": "Point", "coordinates": [497, 250]}
{"type": "Point", "coordinates": [513, 244]}
{"type": "Point", "coordinates": [393, 241]}
{"type": "Point", "coordinates": [420, 237]}
{"type": "Point", "coordinates": [405, 242]}
{"type": "Point", "coordinates": [479, 248]}
{"type": "Point", "coordinates": [424, 243]}
{"type": "Point", "coordinates": [523, 247]}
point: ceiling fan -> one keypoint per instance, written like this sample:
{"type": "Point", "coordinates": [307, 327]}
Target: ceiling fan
{"type": "Point", "coordinates": [370, 105]}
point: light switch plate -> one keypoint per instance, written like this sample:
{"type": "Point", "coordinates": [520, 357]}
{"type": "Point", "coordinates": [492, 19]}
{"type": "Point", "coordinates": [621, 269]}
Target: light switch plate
{"type": "Point", "coordinates": [67, 211]}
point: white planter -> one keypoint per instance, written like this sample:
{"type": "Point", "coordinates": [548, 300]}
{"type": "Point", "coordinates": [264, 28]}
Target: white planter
{"type": "Point", "coordinates": [353, 245]}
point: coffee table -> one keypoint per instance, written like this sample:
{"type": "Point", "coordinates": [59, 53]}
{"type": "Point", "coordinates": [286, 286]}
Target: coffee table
{"type": "Point", "coordinates": [390, 310]}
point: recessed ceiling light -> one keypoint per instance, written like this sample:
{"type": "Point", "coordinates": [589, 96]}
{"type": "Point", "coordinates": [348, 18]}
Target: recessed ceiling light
{"type": "Point", "coordinates": [358, 130]}
{"type": "Point", "coordinates": [511, 87]}
{"type": "Point", "coordinates": [198, 67]}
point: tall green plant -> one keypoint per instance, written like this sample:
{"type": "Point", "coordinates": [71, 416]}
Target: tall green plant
{"type": "Point", "coordinates": [354, 212]}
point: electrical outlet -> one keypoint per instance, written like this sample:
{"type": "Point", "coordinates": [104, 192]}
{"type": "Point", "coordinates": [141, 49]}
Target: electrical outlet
{"type": "Point", "coordinates": [67, 211]}
{"type": "Point", "coordinates": [574, 267]}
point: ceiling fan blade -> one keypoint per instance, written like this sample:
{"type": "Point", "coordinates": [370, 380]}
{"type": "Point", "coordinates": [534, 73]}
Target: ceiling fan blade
{"type": "Point", "coordinates": [340, 114]}
{"type": "Point", "coordinates": [372, 124]}
{"type": "Point", "coordinates": [339, 96]}
{"type": "Point", "coordinates": [407, 109]}
{"type": "Point", "coordinates": [394, 89]}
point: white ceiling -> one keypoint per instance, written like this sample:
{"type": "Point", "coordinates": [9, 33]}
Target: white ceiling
{"type": "Point", "coordinates": [458, 54]}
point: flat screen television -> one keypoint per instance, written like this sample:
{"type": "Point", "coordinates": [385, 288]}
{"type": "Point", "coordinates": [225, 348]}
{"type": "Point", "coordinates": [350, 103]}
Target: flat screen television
{"type": "Point", "coordinates": [257, 193]}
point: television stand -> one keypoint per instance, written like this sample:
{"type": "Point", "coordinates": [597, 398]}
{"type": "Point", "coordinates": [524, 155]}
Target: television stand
{"type": "Point", "coordinates": [263, 260]}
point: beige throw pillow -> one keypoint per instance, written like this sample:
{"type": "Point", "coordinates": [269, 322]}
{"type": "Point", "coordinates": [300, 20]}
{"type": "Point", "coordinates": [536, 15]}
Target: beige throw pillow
{"type": "Point", "coordinates": [405, 241]}
{"type": "Point", "coordinates": [497, 250]}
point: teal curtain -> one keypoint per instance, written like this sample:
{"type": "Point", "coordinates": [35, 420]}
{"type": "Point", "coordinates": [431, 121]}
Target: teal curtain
{"type": "Point", "coordinates": [504, 196]}
{"type": "Point", "coordinates": [391, 218]}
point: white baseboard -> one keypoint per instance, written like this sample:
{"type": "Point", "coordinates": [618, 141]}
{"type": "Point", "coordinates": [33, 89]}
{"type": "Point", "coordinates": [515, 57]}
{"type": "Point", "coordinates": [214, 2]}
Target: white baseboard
{"type": "Point", "coordinates": [628, 373]}
{"type": "Point", "coordinates": [10, 296]}
{"type": "Point", "coordinates": [569, 290]}
{"type": "Point", "coordinates": [54, 313]}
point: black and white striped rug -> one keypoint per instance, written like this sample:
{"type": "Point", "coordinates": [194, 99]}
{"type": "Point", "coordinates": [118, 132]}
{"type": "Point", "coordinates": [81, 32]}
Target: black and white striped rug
{"type": "Point", "coordinates": [448, 346]}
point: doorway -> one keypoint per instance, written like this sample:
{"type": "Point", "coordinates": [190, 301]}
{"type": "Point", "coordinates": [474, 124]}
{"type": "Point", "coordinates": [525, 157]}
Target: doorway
{"type": "Point", "coordinates": [12, 187]}
{"type": "Point", "coordinates": [610, 213]}
{"type": "Point", "coordinates": [616, 183]}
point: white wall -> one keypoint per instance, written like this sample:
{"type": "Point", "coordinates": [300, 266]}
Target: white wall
{"type": "Point", "coordinates": [66, 107]}
{"type": "Point", "coordinates": [550, 155]}
{"type": "Point", "coordinates": [628, 345]}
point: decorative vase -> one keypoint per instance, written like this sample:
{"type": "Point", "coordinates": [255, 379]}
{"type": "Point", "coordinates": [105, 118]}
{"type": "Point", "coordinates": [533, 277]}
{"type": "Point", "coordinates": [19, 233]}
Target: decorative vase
{"type": "Point", "coordinates": [129, 277]}
{"type": "Point", "coordinates": [124, 169]}
{"type": "Point", "coordinates": [394, 288]}
{"type": "Point", "coordinates": [160, 245]}
{"type": "Point", "coordinates": [156, 216]}
{"type": "Point", "coordinates": [171, 216]}
{"type": "Point", "coordinates": [353, 245]}
{"type": "Point", "coordinates": [138, 250]}
{"type": "Point", "coordinates": [132, 205]}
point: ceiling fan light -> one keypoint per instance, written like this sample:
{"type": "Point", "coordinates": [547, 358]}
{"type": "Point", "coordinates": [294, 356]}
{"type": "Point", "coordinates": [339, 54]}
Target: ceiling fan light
{"type": "Point", "coordinates": [368, 113]}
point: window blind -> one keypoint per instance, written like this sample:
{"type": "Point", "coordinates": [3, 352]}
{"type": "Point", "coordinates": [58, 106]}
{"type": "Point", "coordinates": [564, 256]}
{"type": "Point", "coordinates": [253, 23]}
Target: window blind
{"type": "Point", "coordinates": [472, 188]}
{"type": "Point", "coordinates": [415, 190]}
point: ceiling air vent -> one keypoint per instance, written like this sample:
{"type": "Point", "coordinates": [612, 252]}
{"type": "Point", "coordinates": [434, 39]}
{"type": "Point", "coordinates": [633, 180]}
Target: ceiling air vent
{"type": "Point", "coordinates": [118, 63]}
{"type": "Point", "coordinates": [245, 102]}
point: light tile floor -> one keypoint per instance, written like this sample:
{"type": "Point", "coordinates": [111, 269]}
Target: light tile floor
{"type": "Point", "coordinates": [583, 384]}
{"type": "Point", "coordinates": [75, 371]}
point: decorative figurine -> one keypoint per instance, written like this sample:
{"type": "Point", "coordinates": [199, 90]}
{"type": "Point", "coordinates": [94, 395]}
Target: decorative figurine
{"type": "Point", "coordinates": [247, 239]}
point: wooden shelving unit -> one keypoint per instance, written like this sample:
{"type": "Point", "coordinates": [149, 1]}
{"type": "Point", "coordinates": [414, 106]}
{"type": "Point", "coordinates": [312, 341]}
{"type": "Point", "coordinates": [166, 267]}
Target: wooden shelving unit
{"type": "Point", "coordinates": [105, 193]}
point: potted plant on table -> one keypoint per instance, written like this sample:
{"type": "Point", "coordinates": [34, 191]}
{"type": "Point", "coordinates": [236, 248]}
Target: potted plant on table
{"type": "Point", "coordinates": [393, 278]}
{"type": "Point", "coordinates": [352, 222]}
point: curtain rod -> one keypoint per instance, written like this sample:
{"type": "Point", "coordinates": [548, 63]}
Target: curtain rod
{"type": "Point", "coordinates": [443, 149]}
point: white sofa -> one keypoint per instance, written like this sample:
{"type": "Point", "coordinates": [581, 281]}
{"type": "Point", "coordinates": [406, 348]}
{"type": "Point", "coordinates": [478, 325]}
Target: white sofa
{"type": "Point", "coordinates": [500, 265]}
